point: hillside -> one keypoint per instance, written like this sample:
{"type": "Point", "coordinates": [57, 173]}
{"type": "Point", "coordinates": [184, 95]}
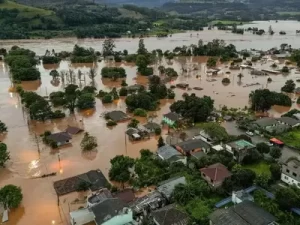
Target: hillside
{"type": "Point", "coordinates": [27, 11]}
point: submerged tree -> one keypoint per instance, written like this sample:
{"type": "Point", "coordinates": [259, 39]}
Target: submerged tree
{"type": "Point", "coordinates": [4, 154]}
{"type": "Point", "coordinates": [88, 142]}
{"type": "Point", "coordinates": [3, 127]}
{"type": "Point", "coordinates": [160, 142]}
{"type": "Point", "coordinates": [11, 196]}
{"type": "Point", "coordinates": [108, 47]}
{"type": "Point", "coordinates": [92, 75]}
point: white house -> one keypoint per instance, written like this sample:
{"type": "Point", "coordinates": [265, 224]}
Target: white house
{"type": "Point", "coordinates": [291, 172]}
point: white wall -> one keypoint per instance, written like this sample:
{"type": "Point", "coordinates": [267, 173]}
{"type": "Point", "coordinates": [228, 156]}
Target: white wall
{"type": "Point", "coordinates": [289, 180]}
{"type": "Point", "coordinates": [120, 219]}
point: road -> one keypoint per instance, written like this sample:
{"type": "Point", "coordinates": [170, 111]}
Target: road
{"type": "Point", "coordinates": [287, 152]}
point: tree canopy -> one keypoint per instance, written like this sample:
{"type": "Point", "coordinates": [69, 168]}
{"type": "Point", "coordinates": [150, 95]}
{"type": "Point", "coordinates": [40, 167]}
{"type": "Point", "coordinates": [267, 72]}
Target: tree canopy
{"type": "Point", "coordinates": [11, 196]}
{"type": "Point", "coordinates": [88, 142]}
{"type": "Point", "coordinates": [4, 154]}
{"type": "Point", "coordinates": [3, 127]}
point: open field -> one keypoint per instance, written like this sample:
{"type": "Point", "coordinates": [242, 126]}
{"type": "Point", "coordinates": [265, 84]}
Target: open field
{"type": "Point", "coordinates": [291, 138]}
{"type": "Point", "coordinates": [259, 168]}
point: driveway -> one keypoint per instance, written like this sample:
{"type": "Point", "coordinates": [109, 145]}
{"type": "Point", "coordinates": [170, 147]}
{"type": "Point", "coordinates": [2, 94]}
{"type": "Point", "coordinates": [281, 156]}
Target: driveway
{"type": "Point", "coordinates": [232, 129]}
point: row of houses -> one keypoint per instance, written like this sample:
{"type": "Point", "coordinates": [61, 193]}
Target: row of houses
{"type": "Point", "coordinates": [275, 125]}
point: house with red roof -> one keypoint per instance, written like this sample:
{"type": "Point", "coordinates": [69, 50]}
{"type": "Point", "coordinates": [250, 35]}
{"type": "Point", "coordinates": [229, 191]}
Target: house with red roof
{"type": "Point", "coordinates": [215, 174]}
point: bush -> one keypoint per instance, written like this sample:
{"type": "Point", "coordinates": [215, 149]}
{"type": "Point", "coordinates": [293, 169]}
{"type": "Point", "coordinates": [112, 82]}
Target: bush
{"type": "Point", "coordinates": [157, 131]}
{"type": "Point", "coordinates": [269, 79]}
{"type": "Point", "coordinates": [101, 94]}
{"type": "Point", "coordinates": [51, 60]}
{"type": "Point", "coordinates": [211, 62]}
{"type": "Point", "coordinates": [107, 99]}
{"type": "Point", "coordinates": [113, 72]}
{"type": "Point", "coordinates": [58, 114]}
{"type": "Point", "coordinates": [124, 84]}
{"type": "Point", "coordinates": [148, 71]}
{"type": "Point", "coordinates": [140, 112]}
{"type": "Point", "coordinates": [285, 69]}
{"type": "Point", "coordinates": [226, 80]}
{"type": "Point", "coordinates": [123, 91]}
{"type": "Point", "coordinates": [111, 123]}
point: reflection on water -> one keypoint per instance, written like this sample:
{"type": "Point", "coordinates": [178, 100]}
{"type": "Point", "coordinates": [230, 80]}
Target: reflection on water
{"type": "Point", "coordinates": [30, 158]}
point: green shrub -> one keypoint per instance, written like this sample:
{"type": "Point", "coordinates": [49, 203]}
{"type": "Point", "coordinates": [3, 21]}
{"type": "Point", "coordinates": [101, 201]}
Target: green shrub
{"type": "Point", "coordinates": [111, 123]}
{"type": "Point", "coordinates": [157, 131]}
{"type": "Point", "coordinates": [107, 99]}
{"type": "Point", "coordinates": [140, 112]}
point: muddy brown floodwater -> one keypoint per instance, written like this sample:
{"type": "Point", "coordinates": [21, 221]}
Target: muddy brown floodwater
{"type": "Point", "coordinates": [39, 205]}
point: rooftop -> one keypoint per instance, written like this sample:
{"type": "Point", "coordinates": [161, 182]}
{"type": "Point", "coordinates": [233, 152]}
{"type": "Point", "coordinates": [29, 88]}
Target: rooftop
{"type": "Point", "coordinates": [167, 187]}
{"type": "Point", "coordinates": [263, 122]}
{"type": "Point", "coordinates": [244, 213]}
{"type": "Point", "coordinates": [150, 199]}
{"type": "Point", "coordinates": [93, 177]}
{"type": "Point", "coordinates": [60, 137]}
{"type": "Point", "coordinates": [167, 152]}
{"type": "Point", "coordinates": [126, 195]}
{"type": "Point", "coordinates": [117, 116]}
{"type": "Point", "coordinates": [107, 209]}
{"type": "Point", "coordinates": [73, 130]}
{"type": "Point", "coordinates": [99, 196]}
{"type": "Point", "coordinates": [216, 172]}
{"type": "Point", "coordinates": [172, 116]}
{"type": "Point", "coordinates": [240, 144]}
{"type": "Point", "coordinates": [170, 215]}
{"type": "Point", "coordinates": [198, 155]}
{"type": "Point", "coordinates": [151, 126]}
{"type": "Point", "coordinates": [193, 144]}
{"type": "Point", "coordinates": [289, 120]}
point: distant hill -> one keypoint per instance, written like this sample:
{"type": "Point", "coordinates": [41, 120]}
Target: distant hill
{"type": "Point", "coordinates": [144, 3]}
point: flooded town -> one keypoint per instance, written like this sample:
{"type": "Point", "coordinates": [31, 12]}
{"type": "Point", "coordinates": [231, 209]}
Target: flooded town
{"type": "Point", "coordinates": [43, 172]}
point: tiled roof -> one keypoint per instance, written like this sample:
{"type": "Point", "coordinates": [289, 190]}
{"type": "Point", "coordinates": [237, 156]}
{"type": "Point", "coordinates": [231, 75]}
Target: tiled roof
{"type": "Point", "coordinates": [216, 172]}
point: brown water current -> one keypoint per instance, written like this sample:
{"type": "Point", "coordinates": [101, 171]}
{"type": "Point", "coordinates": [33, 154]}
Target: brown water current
{"type": "Point", "coordinates": [39, 205]}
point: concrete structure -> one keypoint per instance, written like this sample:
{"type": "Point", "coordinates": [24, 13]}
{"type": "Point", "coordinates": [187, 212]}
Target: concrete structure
{"type": "Point", "coordinates": [170, 154]}
{"type": "Point", "coordinates": [239, 149]}
{"type": "Point", "coordinates": [240, 196]}
{"type": "Point", "coordinates": [167, 187]}
{"type": "Point", "coordinates": [291, 172]}
{"type": "Point", "coordinates": [215, 174]}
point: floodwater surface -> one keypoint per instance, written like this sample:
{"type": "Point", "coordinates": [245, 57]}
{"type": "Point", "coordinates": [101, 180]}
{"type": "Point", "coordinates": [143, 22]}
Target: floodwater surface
{"type": "Point", "coordinates": [30, 158]}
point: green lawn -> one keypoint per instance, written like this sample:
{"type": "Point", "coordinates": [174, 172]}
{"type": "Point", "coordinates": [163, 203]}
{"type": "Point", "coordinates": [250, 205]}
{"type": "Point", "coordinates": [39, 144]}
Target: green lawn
{"type": "Point", "coordinates": [291, 138]}
{"type": "Point", "coordinates": [260, 168]}
{"type": "Point", "coordinates": [289, 13]}
{"type": "Point", "coordinates": [26, 11]}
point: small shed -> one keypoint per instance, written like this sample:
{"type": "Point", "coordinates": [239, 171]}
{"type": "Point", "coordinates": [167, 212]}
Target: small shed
{"type": "Point", "coordinates": [117, 116]}
{"type": "Point", "coordinates": [61, 138]}
{"type": "Point", "coordinates": [151, 127]}
{"type": "Point", "coordinates": [73, 130]}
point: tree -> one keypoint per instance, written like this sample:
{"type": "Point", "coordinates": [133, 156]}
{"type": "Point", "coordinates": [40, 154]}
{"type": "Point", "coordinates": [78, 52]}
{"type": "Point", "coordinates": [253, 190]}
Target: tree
{"type": "Point", "coordinates": [142, 49]}
{"type": "Point", "coordinates": [108, 47]}
{"type": "Point", "coordinates": [288, 197]}
{"type": "Point", "coordinates": [3, 127]}
{"type": "Point", "coordinates": [54, 74]}
{"type": "Point", "coordinates": [88, 142]}
{"type": "Point", "coordinates": [211, 62]}
{"type": "Point", "coordinates": [86, 101]}
{"type": "Point", "coordinates": [133, 123]}
{"type": "Point", "coordinates": [240, 76]}
{"type": "Point", "coordinates": [11, 196]}
{"type": "Point", "coordinates": [263, 148]}
{"type": "Point", "coordinates": [199, 210]}
{"type": "Point", "coordinates": [215, 131]}
{"type": "Point", "coordinates": [225, 80]}
{"type": "Point", "coordinates": [240, 179]}
{"type": "Point", "coordinates": [289, 86]}
{"type": "Point", "coordinates": [123, 91]}
{"type": "Point", "coordinates": [262, 180]}
{"type": "Point", "coordinates": [4, 154]}
{"type": "Point", "coordinates": [193, 108]}
{"type": "Point", "coordinates": [143, 100]}
{"type": "Point", "coordinates": [119, 170]}
{"type": "Point", "coordinates": [275, 170]}
{"type": "Point", "coordinates": [92, 75]}
{"type": "Point", "coordinates": [71, 94]}
{"type": "Point", "coordinates": [40, 110]}
{"type": "Point", "coordinates": [285, 69]}
{"type": "Point", "coordinates": [160, 142]}
{"type": "Point", "coordinates": [276, 152]}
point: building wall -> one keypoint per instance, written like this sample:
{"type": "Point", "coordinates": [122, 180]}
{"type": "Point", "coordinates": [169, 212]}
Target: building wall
{"type": "Point", "coordinates": [289, 180]}
{"type": "Point", "coordinates": [120, 219]}
{"type": "Point", "coordinates": [290, 175]}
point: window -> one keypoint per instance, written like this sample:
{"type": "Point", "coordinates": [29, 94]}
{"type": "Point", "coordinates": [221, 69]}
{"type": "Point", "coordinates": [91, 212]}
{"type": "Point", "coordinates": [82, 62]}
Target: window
{"type": "Point", "coordinates": [285, 177]}
{"type": "Point", "coordinates": [294, 174]}
{"type": "Point", "coordinates": [287, 170]}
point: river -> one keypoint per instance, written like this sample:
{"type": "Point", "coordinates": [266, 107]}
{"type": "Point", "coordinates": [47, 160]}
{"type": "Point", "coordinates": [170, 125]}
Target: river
{"type": "Point", "coordinates": [39, 205]}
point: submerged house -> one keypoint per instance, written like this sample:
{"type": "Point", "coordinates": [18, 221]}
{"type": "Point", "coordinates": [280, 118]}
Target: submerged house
{"type": "Point", "coordinates": [61, 138]}
{"type": "Point", "coordinates": [117, 116]}
{"type": "Point", "coordinates": [73, 130]}
{"type": "Point", "coordinates": [170, 154]}
{"type": "Point", "coordinates": [171, 119]}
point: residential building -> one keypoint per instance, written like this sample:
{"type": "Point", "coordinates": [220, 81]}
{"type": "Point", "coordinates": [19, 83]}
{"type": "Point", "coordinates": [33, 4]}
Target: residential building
{"type": "Point", "coordinates": [125, 195]}
{"type": "Point", "coordinates": [170, 154]}
{"type": "Point", "coordinates": [215, 174]}
{"type": "Point", "coordinates": [169, 215]}
{"type": "Point", "coordinates": [198, 155]}
{"type": "Point", "coordinates": [204, 136]}
{"type": "Point", "coordinates": [265, 123]}
{"type": "Point", "coordinates": [151, 127]}
{"type": "Point", "coordinates": [117, 116]}
{"type": "Point", "coordinates": [98, 196]}
{"type": "Point", "coordinates": [191, 146]}
{"type": "Point", "coordinates": [167, 187]}
{"type": "Point", "coordinates": [61, 138]}
{"type": "Point", "coordinates": [239, 149]}
{"type": "Point", "coordinates": [73, 130]}
{"type": "Point", "coordinates": [289, 121]}
{"type": "Point", "coordinates": [244, 213]}
{"type": "Point", "coordinates": [171, 119]}
{"type": "Point", "coordinates": [240, 196]}
{"type": "Point", "coordinates": [151, 201]}
{"type": "Point", "coordinates": [290, 172]}
{"type": "Point", "coordinates": [110, 211]}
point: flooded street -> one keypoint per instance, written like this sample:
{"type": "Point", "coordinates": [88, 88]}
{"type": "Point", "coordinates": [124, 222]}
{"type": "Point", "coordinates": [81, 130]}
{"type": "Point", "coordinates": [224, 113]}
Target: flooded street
{"type": "Point", "coordinates": [31, 158]}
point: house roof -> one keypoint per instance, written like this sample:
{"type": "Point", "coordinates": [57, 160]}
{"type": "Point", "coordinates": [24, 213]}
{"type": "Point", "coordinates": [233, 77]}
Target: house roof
{"type": "Point", "coordinates": [172, 116]}
{"type": "Point", "coordinates": [192, 144]}
{"type": "Point", "coordinates": [216, 172]}
{"type": "Point", "coordinates": [93, 177]}
{"type": "Point", "coordinates": [108, 209]}
{"type": "Point", "coordinates": [117, 116]}
{"type": "Point", "coordinates": [73, 130]}
{"type": "Point", "coordinates": [297, 90]}
{"type": "Point", "coordinates": [263, 122]}
{"type": "Point", "coordinates": [150, 199]}
{"type": "Point", "coordinates": [241, 144]}
{"type": "Point", "coordinates": [170, 215]}
{"type": "Point", "coordinates": [167, 152]}
{"type": "Point", "coordinates": [126, 195]}
{"type": "Point", "coordinates": [60, 137]}
{"type": "Point", "coordinates": [289, 120]}
{"type": "Point", "coordinates": [151, 126]}
{"type": "Point", "coordinates": [244, 213]}
{"type": "Point", "coordinates": [99, 196]}
{"type": "Point", "coordinates": [167, 187]}
{"type": "Point", "coordinates": [198, 155]}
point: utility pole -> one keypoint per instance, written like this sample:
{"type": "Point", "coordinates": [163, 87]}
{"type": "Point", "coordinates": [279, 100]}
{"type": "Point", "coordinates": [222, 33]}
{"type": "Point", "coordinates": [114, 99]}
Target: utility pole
{"type": "Point", "coordinates": [37, 142]}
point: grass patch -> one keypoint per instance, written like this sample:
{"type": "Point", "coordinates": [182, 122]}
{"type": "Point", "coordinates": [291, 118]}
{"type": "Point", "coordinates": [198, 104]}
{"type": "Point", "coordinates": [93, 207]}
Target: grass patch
{"type": "Point", "coordinates": [25, 11]}
{"type": "Point", "coordinates": [291, 138]}
{"type": "Point", "coordinates": [289, 13]}
{"type": "Point", "coordinates": [259, 168]}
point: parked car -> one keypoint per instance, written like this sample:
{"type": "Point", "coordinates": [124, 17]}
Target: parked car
{"type": "Point", "coordinates": [249, 133]}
